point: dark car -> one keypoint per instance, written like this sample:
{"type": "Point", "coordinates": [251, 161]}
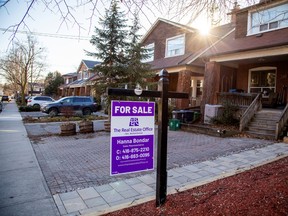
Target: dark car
{"type": "Point", "coordinates": [84, 104]}
{"type": "Point", "coordinates": [5, 98]}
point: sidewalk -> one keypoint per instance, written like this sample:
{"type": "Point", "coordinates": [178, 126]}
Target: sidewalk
{"type": "Point", "coordinates": [122, 194]}
{"type": "Point", "coordinates": [23, 189]}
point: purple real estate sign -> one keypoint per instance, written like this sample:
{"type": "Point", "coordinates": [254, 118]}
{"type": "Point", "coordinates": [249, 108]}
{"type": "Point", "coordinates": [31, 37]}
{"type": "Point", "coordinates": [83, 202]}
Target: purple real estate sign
{"type": "Point", "coordinates": [132, 137]}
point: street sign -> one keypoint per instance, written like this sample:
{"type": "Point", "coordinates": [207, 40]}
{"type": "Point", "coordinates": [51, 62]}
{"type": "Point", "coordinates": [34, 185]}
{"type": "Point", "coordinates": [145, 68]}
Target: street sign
{"type": "Point", "coordinates": [132, 137]}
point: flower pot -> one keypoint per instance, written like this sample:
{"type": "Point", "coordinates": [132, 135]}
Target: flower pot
{"type": "Point", "coordinates": [107, 126]}
{"type": "Point", "coordinates": [68, 129]}
{"type": "Point", "coordinates": [86, 127]}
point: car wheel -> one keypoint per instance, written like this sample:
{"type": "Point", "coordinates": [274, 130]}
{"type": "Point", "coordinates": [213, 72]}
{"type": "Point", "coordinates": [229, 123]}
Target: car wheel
{"type": "Point", "coordinates": [36, 106]}
{"type": "Point", "coordinates": [53, 112]}
{"type": "Point", "coordinates": [86, 111]}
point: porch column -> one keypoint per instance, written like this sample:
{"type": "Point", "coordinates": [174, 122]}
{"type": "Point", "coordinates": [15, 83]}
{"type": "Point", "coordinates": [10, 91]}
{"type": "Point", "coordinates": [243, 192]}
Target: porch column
{"type": "Point", "coordinates": [211, 84]}
{"type": "Point", "coordinates": [184, 84]}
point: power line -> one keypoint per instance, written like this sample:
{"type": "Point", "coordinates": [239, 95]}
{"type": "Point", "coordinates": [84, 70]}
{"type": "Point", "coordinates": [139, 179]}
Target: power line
{"type": "Point", "coordinates": [61, 36]}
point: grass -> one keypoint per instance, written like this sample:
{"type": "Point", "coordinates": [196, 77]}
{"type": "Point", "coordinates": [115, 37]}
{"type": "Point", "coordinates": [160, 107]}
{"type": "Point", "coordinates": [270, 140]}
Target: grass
{"type": "Point", "coordinates": [30, 119]}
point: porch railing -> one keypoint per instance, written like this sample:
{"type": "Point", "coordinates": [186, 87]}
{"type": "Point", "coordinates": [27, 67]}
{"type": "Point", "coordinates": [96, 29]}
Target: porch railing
{"type": "Point", "coordinates": [281, 123]}
{"type": "Point", "coordinates": [239, 99]}
{"type": "Point", "coordinates": [250, 111]}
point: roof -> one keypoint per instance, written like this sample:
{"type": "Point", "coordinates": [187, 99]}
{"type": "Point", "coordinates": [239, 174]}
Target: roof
{"type": "Point", "coordinates": [90, 64]}
{"type": "Point", "coordinates": [216, 34]}
{"type": "Point", "coordinates": [70, 74]}
{"type": "Point", "coordinates": [188, 28]}
{"type": "Point", "coordinates": [261, 41]}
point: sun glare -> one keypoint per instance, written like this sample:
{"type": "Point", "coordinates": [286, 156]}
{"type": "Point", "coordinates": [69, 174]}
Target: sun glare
{"type": "Point", "coordinates": [204, 30]}
{"type": "Point", "coordinates": [203, 26]}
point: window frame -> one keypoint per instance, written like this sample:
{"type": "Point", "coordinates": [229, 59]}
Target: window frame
{"type": "Point", "coordinates": [262, 88]}
{"type": "Point", "coordinates": [267, 26]}
{"type": "Point", "coordinates": [174, 38]}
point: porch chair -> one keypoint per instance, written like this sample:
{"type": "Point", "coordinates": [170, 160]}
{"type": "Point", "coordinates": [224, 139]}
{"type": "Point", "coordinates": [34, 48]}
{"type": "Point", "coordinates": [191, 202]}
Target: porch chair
{"type": "Point", "coordinates": [271, 101]}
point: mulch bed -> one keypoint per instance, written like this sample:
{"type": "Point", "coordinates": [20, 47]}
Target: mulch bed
{"type": "Point", "coordinates": [259, 191]}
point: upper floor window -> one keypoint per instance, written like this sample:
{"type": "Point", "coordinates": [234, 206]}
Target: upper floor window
{"type": "Point", "coordinates": [85, 74]}
{"type": "Point", "coordinates": [175, 46]}
{"type": "Point", "coordinates": [149, 53]}
{"type": "Point", "coordinates": [268, 19]}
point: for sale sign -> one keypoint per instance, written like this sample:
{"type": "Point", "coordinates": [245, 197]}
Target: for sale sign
{"type": "Point", "coordinates": [132, 137]}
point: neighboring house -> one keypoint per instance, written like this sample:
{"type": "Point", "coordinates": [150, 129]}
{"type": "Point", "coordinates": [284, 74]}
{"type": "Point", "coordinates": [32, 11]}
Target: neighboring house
{"type": "Point", "coordinates": [248, 67]}
{"type": "Point", "coordinates": [81, 84]}
{"type": "Point", "coordinates": [174, 46]}
{"type": "Point", "coordinates": [63, 90]}
{"type": "Point", "coordinates": [37, 88]}
{"type": "Point", "coordinates": [252, 58]}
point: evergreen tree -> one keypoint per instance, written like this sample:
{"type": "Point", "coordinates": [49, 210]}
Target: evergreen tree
{"type": "Point", "coordinates": [52, 82]}
{"type": "Point", "coordinates": [110, 42]}
{"type": "Point", "coordinates": [136, 53]}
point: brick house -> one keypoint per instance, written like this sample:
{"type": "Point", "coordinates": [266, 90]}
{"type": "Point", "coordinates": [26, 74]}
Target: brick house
{"type": "Point", "coordinates": [253, 58]}
{"type": "Point", "coordinates": [79, 83]}
{"type": "Point", "coordinates": [249, 67]}
{"type": "Point", "coordinates": [174, 46]}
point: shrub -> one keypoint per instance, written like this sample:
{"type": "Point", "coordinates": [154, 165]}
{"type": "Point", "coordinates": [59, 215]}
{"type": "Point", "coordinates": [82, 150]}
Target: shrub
{"type": "Point", "coordinates": [227, 116]}
{"type": "Point", "coordinates": [28, 109]}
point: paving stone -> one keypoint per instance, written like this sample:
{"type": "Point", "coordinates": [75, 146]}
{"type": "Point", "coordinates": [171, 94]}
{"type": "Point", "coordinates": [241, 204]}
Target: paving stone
{"type": "Point", "coordinates": [142, 188]}
{"type": "Point", "coordinates": [88, 193]}
{"type": "Point", "coordinates": [98, 201]}
{"type": "Point", "coordinates": [129, 193]}
{"type": "Point", "coordinates": [146, 179]}
{"type": "Point", "coordinates": [103, 188]}
{"type": "Point", "coordinates": [120, 186]}
{"type": "Point", "coordinates": [69, 195]}
{"type": "Point", "coordinates": [111, 196]}
{"type": "Point", "coordinates": [73, 205]}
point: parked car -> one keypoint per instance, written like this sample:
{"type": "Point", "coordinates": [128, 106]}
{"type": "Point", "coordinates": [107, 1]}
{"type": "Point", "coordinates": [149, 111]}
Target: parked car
{"type": "Point", "coordinates": [37, 101]}
{"type": "Point", "coordinates": [1, 106]}
{"type": "Point", "coordinates": [5, 98]}
{"type": "Point", "coordinates": [84, 104]}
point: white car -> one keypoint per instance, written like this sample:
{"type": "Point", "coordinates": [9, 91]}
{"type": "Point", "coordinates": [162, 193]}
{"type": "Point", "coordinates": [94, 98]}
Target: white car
{"type": "Point", "coordinates": [37, 101]}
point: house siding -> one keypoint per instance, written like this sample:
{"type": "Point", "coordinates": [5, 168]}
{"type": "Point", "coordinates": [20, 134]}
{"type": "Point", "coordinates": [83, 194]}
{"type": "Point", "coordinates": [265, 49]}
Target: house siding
{"type": "Point", "coordinates": [163, 32]}
{"type": "Point", "coordinates": [281, 76]}
{"type": "Point", "coordinates": [241, 23]}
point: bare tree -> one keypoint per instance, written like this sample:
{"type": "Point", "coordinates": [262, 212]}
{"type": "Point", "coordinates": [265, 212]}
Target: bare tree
{"type": "Point", "coordinates": [177, 10]}
{"type": "Point", "coordinates": [23, 63]}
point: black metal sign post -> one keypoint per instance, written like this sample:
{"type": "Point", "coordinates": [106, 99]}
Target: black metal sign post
{"type": "Point", "coordinates": [163, 94]}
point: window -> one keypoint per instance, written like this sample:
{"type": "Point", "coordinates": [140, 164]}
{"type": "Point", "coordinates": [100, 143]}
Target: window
{"type": "Point", "coordinates": [268, 19]}
{"type": "Point", "coordinates": [175, 46]}
{"type": "Point", "coordinates": [85, 74]}
{"type": "Point", "coordinates": [149, 53]}
{"type": "Point", "coordinates": [262, 80]}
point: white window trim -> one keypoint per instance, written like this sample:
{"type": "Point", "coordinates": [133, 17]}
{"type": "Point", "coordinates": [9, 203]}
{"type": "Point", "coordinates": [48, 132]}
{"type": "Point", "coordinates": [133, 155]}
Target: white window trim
{"type": "Point", "coordinates": [260, 69]}
{"type": "Point", "coordinates": [172, 38]}
{"type": "Point", "coordinates": [249, 23]}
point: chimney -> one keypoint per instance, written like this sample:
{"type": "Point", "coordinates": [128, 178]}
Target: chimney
{"type": "Point", "coordinates": [233, 12]}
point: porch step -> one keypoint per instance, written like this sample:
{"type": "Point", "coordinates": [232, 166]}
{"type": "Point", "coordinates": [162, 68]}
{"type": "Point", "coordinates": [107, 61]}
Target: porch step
{"type": "Point", "coordinates": [263, 123]}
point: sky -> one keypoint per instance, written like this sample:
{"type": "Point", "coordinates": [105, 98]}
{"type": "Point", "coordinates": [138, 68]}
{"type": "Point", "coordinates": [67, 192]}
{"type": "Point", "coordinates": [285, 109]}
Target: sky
{"type": "Point", "coordinates": [62, 54]}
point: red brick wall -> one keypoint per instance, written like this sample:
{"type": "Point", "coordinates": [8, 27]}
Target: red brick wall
{"type": "Point", "coordinates": [184, 84]}
{"type": "Point", "coordinates": [241, 24]}
{"type": "Point", "coordinates": [281, 76]}
{"type": "Point", "coordinates": [164, 31]}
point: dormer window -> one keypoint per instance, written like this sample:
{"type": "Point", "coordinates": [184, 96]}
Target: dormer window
{"type": "Point", "coordinates": [175, 46]}
{"type": "Point", "coordinates": [268, 19]}
{"type": "Point", "coordinates": [85, 74]}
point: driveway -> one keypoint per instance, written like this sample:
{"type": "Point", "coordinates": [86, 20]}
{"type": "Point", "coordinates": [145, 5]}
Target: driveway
{"type": "Point", "coordinates": [83, 160]}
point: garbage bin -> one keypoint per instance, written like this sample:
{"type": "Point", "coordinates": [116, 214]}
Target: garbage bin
{"type": "Point", "coordinates": [196, 116]}
{"type": "Point", "coordinates": [179, 114]}
{"type": "Point", "coordinates": [174, 124]}
{"type": "Point", "coordinates": [188, 116]}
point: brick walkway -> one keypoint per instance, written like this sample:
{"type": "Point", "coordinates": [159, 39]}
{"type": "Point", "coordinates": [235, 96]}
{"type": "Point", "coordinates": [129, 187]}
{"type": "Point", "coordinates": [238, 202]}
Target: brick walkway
{"type": "Point", "coordinates": [82, 161]}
